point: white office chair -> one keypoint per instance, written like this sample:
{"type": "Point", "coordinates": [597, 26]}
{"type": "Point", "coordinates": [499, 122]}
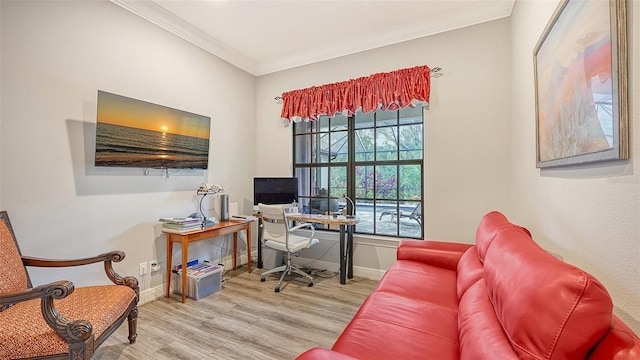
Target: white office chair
{"type": "Point", "coordinates": [277, 235]}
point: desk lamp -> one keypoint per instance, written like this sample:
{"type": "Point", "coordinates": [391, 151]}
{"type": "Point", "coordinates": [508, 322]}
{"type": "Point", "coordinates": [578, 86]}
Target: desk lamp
{"type": "Point", "coordinates": [353, 206]}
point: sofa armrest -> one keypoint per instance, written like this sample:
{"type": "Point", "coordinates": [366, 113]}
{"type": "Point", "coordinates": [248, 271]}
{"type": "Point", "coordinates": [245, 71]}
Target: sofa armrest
{"type": "Point", "coordinates": [438, 253]}
{"type": "Point", "coordinates": [323, 354]}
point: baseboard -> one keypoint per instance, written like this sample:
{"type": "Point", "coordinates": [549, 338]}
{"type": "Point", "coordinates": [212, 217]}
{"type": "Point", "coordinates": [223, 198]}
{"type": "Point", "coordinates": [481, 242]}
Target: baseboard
{"type": "Point", "coordinates": [151, 294]}
{"type": "Point", "coordinates": [367, 273]}
{"type": "Point", "coordinates": [158, 292]}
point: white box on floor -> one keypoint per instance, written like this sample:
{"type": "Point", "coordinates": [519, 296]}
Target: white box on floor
{"type": "Point", "coordinates": [271, 258]}
{"type": "Point", "coordinates": [202, 280]}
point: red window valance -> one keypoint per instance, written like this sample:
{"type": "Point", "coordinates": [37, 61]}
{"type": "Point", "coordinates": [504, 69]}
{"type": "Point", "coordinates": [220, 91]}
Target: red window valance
{"type": "Point", "coordinates": [387, 91]}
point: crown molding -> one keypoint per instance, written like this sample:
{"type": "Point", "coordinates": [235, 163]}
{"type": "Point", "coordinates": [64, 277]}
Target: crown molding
{"type": "Point", "coordinates": [159, 16]}
{"type": "Point", "coordinates": [476, 13]}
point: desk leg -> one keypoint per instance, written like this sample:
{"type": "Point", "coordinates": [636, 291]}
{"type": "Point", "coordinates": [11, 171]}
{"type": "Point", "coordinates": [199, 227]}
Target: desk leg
{"type": "Point", "coordinates": [249, 247]}
{"type": "Point", "coordinates": [260, 243]}
{"type": "Point", "coordinates": [169, 260]}
{"type": "Point", "coordinates": [343, 272]}
{"type": "Point", "coordinates": [235, 250]}
{"type": "Point", "coordinates": [350, 252]}
{"type": "Point", "coordinates": [185, 260]}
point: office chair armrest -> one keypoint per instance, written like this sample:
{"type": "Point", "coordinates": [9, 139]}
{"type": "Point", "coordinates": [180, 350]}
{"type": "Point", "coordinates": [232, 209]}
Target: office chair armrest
{"type": "Point", "coordinates": [305, 225]}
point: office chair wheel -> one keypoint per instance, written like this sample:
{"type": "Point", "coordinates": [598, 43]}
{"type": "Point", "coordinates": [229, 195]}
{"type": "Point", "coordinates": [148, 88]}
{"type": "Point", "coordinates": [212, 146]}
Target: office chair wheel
{"type": "Point", "coordinates": [262, 279]}
{"type": "Point", "coordinates": [277, 289]}
{"type": "Point", "coordinates": [310, 284]}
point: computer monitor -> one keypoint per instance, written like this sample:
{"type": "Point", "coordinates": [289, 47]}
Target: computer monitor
{"type": "Point", "coordinates": [275, 190]}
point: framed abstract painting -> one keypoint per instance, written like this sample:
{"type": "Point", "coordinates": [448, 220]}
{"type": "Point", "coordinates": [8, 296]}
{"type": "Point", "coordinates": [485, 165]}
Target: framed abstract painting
{"type": "Point", "coordinates": [580, 66]}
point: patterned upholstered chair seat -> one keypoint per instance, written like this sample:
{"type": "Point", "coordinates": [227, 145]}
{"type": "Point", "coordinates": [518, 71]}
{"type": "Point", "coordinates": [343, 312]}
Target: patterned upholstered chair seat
{"type": "Point", "coordinates": [56, 320]}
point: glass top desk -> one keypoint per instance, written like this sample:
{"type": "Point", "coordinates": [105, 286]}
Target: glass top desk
{"type": "Point", "coordinates": [346, 245]}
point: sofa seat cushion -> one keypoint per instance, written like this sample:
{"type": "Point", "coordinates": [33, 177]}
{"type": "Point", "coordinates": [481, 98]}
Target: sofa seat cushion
{"type": "Point", "coordinates": [420, 281]}
{"type": "Point", "coordinates": [100, 305]}
{"type": "Point", "coordinates": [430, 318]}
{"type": "Point", "coordinates": [372, 339]}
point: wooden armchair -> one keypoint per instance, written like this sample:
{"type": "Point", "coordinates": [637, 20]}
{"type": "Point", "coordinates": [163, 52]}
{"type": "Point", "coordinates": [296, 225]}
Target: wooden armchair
{"type": "Point", "coordinates": [56, 320]}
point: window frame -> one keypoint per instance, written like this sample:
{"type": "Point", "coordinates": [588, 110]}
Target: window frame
{"type": "Point", "coordinates": [315, 132]}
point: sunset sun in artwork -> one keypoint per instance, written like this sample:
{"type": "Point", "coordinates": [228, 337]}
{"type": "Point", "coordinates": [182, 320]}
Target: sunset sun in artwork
{"type": "Point", "coordinates": [164, 128]}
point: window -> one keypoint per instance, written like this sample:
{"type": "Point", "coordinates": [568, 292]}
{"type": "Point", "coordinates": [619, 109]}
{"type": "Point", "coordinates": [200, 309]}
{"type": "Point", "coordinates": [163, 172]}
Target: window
{"type": "Point", "coordinates": [375, 158]}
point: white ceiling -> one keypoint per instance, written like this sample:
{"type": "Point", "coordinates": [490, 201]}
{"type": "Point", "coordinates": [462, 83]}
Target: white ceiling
{"type": "Point", "coordinates": [265, 36]}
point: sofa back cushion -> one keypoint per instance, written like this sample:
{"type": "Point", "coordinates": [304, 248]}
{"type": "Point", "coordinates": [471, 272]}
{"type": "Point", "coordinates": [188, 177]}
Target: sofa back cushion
{"type": "Point", "coordinates": [548, 309]}
{"type": "Point", "coordinates": [490, 226]}
{"type": "Point", "coordinates": [480, 333]}
{"type": "Point", "coordinates": [14, 276]}
{"type": "Point", "coordinates": [469, 271]}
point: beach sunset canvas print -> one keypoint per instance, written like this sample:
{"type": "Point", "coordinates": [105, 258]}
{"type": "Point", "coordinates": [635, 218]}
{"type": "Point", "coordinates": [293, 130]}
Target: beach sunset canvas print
{"type": "Point", "coordinates": [135, 133]}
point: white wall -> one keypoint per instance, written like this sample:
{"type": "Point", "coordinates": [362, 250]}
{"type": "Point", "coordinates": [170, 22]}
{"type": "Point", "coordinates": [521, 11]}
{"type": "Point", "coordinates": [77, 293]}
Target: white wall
{"type": "Point", "coordinates": [590, 214]}
{"type": "Point", "coordinates": [479, 140]}
{"type": "Point", "coordinates": [55, 56]}
{"type": "Point", "coordinates": [466, 128]}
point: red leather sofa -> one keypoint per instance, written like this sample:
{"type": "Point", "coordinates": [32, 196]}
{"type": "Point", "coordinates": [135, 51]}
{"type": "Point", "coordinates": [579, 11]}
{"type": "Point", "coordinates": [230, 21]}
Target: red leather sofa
{"type": "Point", "coordinates": [502, 298]}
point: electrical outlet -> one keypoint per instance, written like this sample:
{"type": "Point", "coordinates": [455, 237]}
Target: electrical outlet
{"type": "Point", "coordinates": [144, 268]}
{"type": "Point", "coordinates": [154, 266]}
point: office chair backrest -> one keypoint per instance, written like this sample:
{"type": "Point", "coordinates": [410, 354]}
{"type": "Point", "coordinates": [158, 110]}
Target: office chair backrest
{"type": "Point", "coordinates": [273, 221]}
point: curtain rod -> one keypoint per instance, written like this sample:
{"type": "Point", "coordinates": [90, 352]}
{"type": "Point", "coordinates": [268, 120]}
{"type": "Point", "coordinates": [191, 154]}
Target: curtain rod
{"type": "Point", "coordinates": [434, 73]}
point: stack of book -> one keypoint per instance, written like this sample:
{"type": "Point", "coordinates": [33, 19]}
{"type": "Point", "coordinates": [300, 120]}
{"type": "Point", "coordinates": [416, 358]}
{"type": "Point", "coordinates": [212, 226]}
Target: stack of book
{"type": "Point", "coordinates": [181, 225]}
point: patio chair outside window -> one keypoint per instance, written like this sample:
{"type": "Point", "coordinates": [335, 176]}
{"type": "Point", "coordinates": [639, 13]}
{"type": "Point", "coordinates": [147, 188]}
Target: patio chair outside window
{"type": "Point", "coordinates": [416, 214]}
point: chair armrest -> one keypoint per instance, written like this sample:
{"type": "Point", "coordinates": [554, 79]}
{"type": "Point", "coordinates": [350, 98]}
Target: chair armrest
{"type": "Point", "coordinates": [305, 225]}
{"type": "Point", "coordinates": [56, 289]}
{"type": "Point", "coordinates": [438, 253]}
{"type": "Point", "coordinates": [112, 256]}
{"type": "Point", "coordinates": [71, 331]}
{"type": "Point", "coordinates": [108, 258]}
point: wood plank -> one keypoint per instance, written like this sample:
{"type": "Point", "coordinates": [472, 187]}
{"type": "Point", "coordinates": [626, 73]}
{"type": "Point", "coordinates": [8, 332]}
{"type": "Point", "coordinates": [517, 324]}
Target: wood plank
{"type": "Point", "coordinates": [246, 319]}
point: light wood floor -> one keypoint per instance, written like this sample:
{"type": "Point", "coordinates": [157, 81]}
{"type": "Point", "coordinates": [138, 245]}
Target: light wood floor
{"type": "Point", "coordinates": [246, 319]}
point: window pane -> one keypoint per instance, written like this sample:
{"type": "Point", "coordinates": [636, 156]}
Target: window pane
{"type": "Point", "coordinates": [338, 185]}
{"type": "Point", "coordinates": [339, 146]}
{"type": "Point", "coordinates": [364, 120]}
{"type": "Point", "coordinates": [411, 115]}
{"type": "Point", "coordinates": [364, 182]}
{"type": "Point", "coordinates": [302, 127]}
{"type": "Point", "coordinates": [303, 187]}
{"type": "Point", "coordinates": [411, 142]}
{"type": "Point", "coordinates": [303, 149]}
{"type": "Point", "coordinates": [339, 122]}
{"type": "Point", "coordinates": [314, 148]}
{"type": "Point", "coordinates": [384, 118]}
{"type": "Point", "coordinates": [410, 221]}
{"type": "Point", "coordinates": [303, 181]}
{"type": "Point", "coordinates": [410, 182]}
{"type": "Point", "coordinates": [323, 148]}
{"type": "Point", "coordinates": [320, 203]}
{"type": "Point", "coordinates": [386, 182]}
{"type": "Point", "coordinates": [323, 123]}
{"type": "Point", "coordinates": [319, 180]}
{"type": "Point", "coordinates": [364, 145]}
{"type": "Point", "coordinates": [386, 144]}
{"type": "Point", "coordinates": [386, 214]}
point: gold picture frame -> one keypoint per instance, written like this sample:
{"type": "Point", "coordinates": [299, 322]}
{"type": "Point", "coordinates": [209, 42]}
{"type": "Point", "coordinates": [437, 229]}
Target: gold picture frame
{"type": "Point", "coordinates": [580, 67]}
